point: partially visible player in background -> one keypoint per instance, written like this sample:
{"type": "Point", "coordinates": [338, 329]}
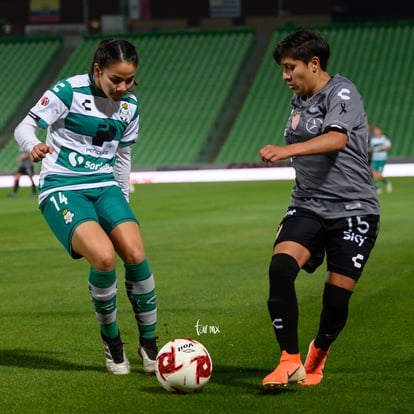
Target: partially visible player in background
{"type": "Point", "coordinates": [380, 145]}
{"type": "Point", "coordinates": [25, 168]}
{"type": "Point", "coordinates": [92, 120]}
{"type": "Point", "coordinates": [334, 208]}
{"type": "Point", "coordinates": [369, 146]}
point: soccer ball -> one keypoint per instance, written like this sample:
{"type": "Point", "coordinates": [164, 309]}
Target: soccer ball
{"type": "Point", "coordinates": [183, 365]}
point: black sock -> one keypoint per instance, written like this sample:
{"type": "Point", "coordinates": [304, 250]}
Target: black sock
{"type": "Point", "coordinates": [333, 316]}
{"type": "Point", "coordinates": [282, 302]}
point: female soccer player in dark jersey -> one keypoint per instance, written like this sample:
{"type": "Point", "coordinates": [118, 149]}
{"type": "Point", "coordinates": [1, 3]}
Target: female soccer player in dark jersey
{"type": "Point", "coordinates": [334, 209]}
{"type": "Point", "coordinates": [92, 120]}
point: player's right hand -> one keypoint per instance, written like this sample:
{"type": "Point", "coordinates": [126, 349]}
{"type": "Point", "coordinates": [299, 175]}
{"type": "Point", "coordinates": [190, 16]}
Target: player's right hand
{"type": "Point", "coordinates": [39, 151]}
{"type": "Point", "coordinates": [272, 153]}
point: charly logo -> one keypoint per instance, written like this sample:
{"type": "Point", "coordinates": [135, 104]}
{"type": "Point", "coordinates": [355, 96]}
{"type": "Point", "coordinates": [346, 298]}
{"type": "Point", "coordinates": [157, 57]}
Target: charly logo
{"type": "Point", "coordinates": [344, 94]}
{"type": "Point", "coordinates": [75, 159]}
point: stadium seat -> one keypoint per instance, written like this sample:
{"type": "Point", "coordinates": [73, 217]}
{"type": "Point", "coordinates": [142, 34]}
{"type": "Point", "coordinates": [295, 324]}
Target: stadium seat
{"type": "Point", "coordinates": [185, 79]}
{"type": "Point", "coordinates": [23, 62]}
{"type": "Point", "coordinates": [380, 69]}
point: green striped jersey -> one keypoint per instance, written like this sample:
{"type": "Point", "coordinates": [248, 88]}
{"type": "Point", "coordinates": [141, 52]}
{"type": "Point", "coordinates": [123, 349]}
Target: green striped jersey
{"type": "Point", "coordinates": [376, 144]}
{"type": "Point", "coordinates": [85, 129]}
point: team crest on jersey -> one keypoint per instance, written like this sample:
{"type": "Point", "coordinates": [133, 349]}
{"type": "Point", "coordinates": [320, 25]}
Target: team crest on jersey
{"type": "Point", "coordinates": [44, 101]}
{"type": "Point", "coordinates": [123, 113]}
{"type": "Point", "coordinates": [295, 120]}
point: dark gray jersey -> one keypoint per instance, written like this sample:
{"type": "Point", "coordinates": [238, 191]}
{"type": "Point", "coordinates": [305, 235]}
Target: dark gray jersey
{"type": "Point", "coordinates": [336, 184]}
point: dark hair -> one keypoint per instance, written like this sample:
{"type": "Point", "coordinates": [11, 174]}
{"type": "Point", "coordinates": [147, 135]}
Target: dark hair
{"type": "Point", "coordinates": [110, 51]}
{"type": "Point", "coordinates": [303, 45]}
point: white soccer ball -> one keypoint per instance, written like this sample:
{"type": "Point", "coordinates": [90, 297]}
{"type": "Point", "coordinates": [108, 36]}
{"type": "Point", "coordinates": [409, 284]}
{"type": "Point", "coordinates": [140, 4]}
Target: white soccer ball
{"type": "Point", "coordinates": [183, 365]}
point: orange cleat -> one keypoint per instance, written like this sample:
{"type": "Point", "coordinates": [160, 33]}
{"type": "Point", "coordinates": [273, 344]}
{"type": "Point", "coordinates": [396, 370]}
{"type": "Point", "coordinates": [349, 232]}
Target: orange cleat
{"type": "Point", "coordinates": [289, 370]}
{"type": "Point", "coordinates": [314, 364]}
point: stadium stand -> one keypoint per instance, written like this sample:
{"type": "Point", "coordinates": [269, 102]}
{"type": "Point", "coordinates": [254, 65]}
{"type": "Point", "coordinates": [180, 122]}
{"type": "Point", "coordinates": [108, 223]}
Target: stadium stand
{"type": "Point", "coordinates": [187, 80]}
{"type": "Point", "coordinates": [183, 80]}
{"type": "Point", "coordinates": [23, 63]}
{"type": "Point", "coordinates": [377, 57]}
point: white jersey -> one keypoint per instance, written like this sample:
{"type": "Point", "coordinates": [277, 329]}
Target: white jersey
{"type": "Point", "coordinates": [85, 129]}
{"type": "Point", "coordinates": [376, 144]}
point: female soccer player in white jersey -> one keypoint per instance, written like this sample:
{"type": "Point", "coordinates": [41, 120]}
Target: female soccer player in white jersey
{"type": "Point", "coordinates": [92, 120]}
{"type": "Point", "coordinates": [380, 146]}
{"type": "Point", "coordinates": [334, 208]}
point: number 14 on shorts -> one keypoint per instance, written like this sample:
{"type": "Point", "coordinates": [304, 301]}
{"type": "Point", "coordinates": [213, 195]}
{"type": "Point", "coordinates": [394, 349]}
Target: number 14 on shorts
{"type": "Point", "coordinates": [59, 204]}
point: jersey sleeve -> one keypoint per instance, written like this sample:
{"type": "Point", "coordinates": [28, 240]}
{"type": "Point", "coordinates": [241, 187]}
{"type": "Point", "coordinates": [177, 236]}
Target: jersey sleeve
{"type": "Point", "coordinates": [344, 108]}
{"type": "Point", "coordinates": [122, 169]}
{"type": "Point", "coordinates": [48, 109]}
{"type": "Point", "coordinates": [25, 133]}
{"type": "Point", "coordinates": [45, 112]}
{"type": "Point", "coordinates": [388, 142]}
{"type": "Point", "coordinates": [130, 135]}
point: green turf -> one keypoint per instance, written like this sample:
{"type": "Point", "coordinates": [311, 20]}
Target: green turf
{"type": "Point", "coordinates": [209, 246]}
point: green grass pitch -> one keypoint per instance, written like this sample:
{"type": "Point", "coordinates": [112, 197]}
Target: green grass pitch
{"type": "Point", "coordinates": [209, 245]}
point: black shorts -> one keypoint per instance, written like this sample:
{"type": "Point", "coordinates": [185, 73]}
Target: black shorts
{"type": "Point", "coordinates": [26, 171]}
{"type": "Point", "coordinates": [347, 241]}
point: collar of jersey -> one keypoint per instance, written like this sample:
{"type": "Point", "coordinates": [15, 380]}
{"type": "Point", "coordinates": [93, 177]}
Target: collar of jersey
{"type": "Point", "coordinates": [95, 90]}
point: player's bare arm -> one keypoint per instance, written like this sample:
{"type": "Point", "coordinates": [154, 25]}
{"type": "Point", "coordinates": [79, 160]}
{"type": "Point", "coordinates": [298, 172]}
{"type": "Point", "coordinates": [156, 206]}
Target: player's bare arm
{"type": "Point", "coordinates": [332, 141]}
{"type": "Point", "coordinates": [272, 153]}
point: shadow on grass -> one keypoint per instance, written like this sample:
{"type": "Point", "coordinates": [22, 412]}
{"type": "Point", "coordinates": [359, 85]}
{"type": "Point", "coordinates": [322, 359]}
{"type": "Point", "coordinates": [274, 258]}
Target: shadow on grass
{"type": "Point", "coordinates": [41, 360]}
{"type": "Point", "coordinates": [243, 379]}
{"type": "Point", "coordinates": [246, 377]}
